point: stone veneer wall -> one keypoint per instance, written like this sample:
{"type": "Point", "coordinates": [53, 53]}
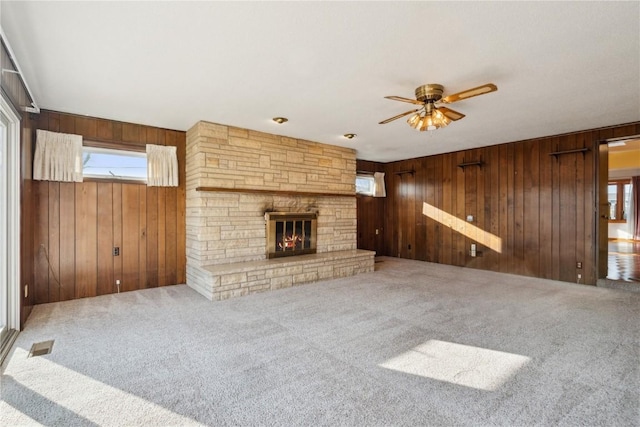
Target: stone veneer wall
{"type": "Point", "coordinates": [229, 227]}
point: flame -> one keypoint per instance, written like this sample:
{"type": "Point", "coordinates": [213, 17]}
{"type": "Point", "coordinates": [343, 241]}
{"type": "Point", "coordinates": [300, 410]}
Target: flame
{"type": "Point", "coordinates": [290, 242]}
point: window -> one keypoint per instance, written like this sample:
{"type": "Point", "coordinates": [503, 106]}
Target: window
{"type": "Point", "coordinates": [365, 185]}
{"type": "Point", "coordinates": [619, 197]}
{"type": "Point", "coordinates": [108, 163]}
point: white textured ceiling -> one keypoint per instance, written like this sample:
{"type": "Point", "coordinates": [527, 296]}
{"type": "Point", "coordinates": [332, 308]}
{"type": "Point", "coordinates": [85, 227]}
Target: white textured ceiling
{"type": "Point", "coordinates": [559, 66]}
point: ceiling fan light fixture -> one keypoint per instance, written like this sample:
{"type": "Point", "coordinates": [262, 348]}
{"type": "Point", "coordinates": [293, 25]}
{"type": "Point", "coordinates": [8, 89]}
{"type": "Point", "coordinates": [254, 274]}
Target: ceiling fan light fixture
{"type": "Point", "coordinates": [431, 121]}
{"type": "Point", "coordinates": [349, 135]}
{"type": "Point", "coordinates": [432, 115]}
{"type": "Point", "coordinates": [280, 120]}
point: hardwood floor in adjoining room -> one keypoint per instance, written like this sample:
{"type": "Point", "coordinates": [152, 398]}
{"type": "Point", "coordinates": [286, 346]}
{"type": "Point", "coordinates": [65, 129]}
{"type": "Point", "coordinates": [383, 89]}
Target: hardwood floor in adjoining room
{"type": "Point", "coordinates": [624, 260]}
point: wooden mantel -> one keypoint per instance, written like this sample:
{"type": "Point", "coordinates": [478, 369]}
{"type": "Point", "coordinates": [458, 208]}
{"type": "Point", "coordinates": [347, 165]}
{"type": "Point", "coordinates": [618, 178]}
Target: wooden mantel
{"type": "Point", "coordinates": [272, 192]}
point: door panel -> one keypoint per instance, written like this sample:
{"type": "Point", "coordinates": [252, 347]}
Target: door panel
{"type": "Point", "coordinates": [603, 211]}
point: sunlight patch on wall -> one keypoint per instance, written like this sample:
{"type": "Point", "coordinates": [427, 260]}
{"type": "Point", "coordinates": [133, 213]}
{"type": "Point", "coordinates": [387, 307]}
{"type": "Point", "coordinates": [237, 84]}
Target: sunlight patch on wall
{"type": "Point", "coordinates": [459, 364]}
{"type": "Point", "coordinates": [469, 230]}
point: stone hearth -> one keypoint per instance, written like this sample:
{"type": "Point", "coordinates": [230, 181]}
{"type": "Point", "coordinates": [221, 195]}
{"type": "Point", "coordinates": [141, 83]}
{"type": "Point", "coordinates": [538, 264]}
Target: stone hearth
{"type": "Point", "coordinates": [234, 177]}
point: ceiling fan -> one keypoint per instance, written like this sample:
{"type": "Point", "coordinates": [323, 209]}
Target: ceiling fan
{"type": "Point", "coordinates": [430, 116]}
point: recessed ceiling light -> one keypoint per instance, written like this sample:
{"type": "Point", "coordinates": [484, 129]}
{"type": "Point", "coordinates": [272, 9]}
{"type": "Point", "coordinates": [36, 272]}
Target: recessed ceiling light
{"type": "Point", "coordinates": [617, 144]}
{"type": "Point", "coordinates": [350, 135]}
{"type": "Point", "coordinates": [280, 120]}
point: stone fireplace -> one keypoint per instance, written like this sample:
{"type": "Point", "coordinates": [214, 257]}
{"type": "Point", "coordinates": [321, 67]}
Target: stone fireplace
{"type": "Point", "coordinates": [239, 178]}
{"type": "Point", "coordinates": [290, 234]}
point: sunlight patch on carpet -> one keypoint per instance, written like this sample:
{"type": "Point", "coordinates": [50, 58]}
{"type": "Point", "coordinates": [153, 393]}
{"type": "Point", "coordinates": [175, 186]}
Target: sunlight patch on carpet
{"type": "Point", "coordinates": [459, 364]}
{"type": "Point", "coordinates": [81, 394]}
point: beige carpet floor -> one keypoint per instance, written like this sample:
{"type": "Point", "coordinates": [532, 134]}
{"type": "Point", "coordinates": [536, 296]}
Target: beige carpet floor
{"type": "Point", "coordinates": [411, 344]}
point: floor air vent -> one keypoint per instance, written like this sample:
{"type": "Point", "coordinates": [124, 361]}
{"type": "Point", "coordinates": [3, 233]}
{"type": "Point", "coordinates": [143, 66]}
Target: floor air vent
{"type": "Point", "coordinates": [41, 348]}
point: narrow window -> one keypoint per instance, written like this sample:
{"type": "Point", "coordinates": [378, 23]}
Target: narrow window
{"type": "Point", "coordinates": [619, 197]}
{"type": "Point", "coordinates": [365, 185]}
{"type": "Point", "coordinates": [106, 163]}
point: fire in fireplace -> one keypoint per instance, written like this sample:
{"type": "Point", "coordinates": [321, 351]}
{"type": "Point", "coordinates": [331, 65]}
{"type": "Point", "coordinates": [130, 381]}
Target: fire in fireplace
{"type": "Point", "coordinates": [290, 233]}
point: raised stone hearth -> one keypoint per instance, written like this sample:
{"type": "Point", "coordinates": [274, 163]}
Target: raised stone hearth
{"type": "Point", "coordinates": [224, 281]}
{"type": "Point", "coordinates": [234, 177]}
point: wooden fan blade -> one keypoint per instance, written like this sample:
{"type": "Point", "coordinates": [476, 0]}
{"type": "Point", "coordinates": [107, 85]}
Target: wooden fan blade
{"type": "Point", "coordinates": [398, 116]}
{"type": "Point", "coordinates": [480, 90]}
{"type": "Point", "coordinates": [450, 114]}
{"type": "Point", "coordinates": [399, 98]}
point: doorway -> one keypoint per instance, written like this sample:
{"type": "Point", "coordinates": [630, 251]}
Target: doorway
{"type": "Point", "coordinates": [619, 253]}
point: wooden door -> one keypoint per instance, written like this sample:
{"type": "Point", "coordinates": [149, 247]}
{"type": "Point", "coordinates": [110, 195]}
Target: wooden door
{"type": "Point", "coordinates": [603, 210]}
{"type": "Point", "coordinates": [405, 215]}
{"type": "Point", "coordinates": [370, 221]}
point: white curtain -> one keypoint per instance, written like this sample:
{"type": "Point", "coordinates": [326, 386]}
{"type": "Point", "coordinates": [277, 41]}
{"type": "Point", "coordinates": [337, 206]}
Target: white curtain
{"type": "Point", "coordinates": [379, 189]}
{"type": "Point", "coordinates": [162, 166]}
{"type": "Point", "coordinates": [58, 157]}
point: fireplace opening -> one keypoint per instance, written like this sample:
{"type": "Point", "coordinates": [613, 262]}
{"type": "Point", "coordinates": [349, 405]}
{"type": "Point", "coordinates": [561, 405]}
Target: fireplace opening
{"type": "Point", "coordinates": [290, 234]}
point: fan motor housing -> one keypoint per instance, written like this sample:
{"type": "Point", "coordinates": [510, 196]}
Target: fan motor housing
{"type": "Point", "coordinates": [430, 92]}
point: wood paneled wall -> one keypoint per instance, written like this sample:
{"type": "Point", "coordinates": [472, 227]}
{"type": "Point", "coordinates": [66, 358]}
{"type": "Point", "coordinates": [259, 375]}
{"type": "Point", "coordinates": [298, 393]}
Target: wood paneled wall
{"type": "Point", "coordinates": [370, 213]}
{"type": "Point", "coordinates": [77, 225]}
{"type": "Point", "coordinates": [534, 214]}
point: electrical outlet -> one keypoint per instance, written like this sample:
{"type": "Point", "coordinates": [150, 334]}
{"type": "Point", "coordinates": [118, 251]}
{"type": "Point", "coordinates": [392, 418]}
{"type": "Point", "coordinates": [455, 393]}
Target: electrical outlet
{"type": "Point", "coordinates": [116, 251]}
{"type": "Point", "coordinates": [118, 282]}
{"type": "Point", "coordinates": [578, 264]}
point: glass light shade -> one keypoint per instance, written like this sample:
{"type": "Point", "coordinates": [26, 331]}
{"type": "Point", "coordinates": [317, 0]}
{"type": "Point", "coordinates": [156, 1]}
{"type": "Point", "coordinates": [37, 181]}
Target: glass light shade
{"type": "Point", "coordinates": [442, 118]}
{"type": "Point", "coordinates": [413, 120]}
{"type": "Point", "coordinates": [432, 121]}
{"type": "Point", "coordinates": [428, 124]}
